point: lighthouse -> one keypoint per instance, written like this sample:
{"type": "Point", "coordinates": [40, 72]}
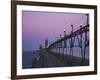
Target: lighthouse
{"type": "Point", "coordinates": [46, 43]}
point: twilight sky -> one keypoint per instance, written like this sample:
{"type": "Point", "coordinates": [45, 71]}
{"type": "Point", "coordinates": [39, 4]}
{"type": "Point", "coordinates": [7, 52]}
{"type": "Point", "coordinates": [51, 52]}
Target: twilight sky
{"type": "Point", "coordinates": [40, 25]}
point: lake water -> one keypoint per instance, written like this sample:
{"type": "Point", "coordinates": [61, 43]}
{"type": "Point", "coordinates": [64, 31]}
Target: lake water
{"type": "Point", "coordinates": [27, 58]}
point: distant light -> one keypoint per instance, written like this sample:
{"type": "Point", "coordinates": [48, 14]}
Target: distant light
{"type": "Point", "coordinates": [81, 25]}
{"type": "Point", "coordinates": [64, 30]}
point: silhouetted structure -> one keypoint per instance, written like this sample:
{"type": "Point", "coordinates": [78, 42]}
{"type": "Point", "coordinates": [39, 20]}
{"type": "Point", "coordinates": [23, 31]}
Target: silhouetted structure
{"type": "Point", "coordinates": [46, 43]}
{"type": "Point", "coordinates": [66, 42]}
{"type": "Point", "coordinates": [40, 47]}
{"type": "Point", "coordinates": [61, 45]}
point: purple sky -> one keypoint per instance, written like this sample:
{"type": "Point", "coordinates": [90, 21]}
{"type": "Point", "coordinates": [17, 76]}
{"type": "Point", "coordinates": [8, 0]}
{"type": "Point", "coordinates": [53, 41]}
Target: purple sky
{"type": "Point", "coordinates": [40, 25]}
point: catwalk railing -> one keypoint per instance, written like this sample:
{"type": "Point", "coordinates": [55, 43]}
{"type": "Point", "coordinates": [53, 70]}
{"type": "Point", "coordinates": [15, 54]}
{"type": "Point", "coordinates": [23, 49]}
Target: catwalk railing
{"type": "Point", "coordinates": [66, 44]}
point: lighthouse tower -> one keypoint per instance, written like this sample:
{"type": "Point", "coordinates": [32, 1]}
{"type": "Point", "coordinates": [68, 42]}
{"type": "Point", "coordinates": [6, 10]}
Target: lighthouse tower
{"type": "Point", "coordinates": [46, 43]}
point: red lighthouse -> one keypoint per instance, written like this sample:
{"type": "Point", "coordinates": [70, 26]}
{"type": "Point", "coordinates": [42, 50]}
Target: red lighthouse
{"type": "Point", "coordinates": [46, 43]}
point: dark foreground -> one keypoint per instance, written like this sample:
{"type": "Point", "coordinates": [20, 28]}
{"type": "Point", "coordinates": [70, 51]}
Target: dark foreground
{"type": "Point", "coordinates": [47, 59]}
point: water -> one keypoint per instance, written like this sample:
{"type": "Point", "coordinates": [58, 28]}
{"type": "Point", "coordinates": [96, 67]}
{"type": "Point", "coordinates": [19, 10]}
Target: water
{"type": "Point", "coordinates": [27, 58]}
